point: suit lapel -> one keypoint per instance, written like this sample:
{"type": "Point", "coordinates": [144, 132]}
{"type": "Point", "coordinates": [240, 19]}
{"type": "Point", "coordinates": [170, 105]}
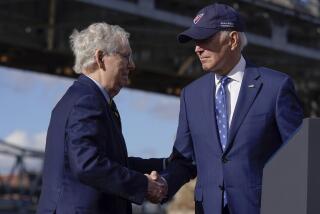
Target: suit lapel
{"type": "Point", "coordinates": [119, 131]}
{"type": "Point", "coordinates": [87, 81]}
{"type": "Point", "coordinates": [249, 90]}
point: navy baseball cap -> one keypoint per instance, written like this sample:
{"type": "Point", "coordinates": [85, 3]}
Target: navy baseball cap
{"type": "Point", "coordinates": [210, 20]}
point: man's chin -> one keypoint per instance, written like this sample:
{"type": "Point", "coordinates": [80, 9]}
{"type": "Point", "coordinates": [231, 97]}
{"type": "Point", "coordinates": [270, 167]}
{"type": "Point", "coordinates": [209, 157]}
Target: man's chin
{"type": "Point", "coordinates": [205, 68]}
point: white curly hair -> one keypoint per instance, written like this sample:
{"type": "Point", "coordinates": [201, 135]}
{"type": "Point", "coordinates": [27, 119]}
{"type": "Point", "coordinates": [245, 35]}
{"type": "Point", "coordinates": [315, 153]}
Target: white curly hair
{"type": "Point", "coordinates": [102, 36]}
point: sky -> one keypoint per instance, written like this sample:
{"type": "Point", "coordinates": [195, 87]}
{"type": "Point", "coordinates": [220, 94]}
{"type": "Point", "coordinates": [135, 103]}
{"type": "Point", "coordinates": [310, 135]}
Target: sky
{"type": "Point", "coordinates": [149, 120]}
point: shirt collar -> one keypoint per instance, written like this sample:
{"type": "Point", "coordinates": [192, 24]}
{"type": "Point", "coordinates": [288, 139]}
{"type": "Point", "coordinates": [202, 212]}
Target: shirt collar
{"type": "Point", "coordinates": [104, 91]}
{"type": "Point", "coordinates": [236, 72]}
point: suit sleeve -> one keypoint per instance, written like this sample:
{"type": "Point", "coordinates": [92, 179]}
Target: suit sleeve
{"type": "Point", "coordinates": [146, 165]}
{"type": "Point", "coordinates": [181, 167]}
{"type": "Point", "coordinates": [289, 114]}
{"type": "Point", "coordinates": [89, 163]}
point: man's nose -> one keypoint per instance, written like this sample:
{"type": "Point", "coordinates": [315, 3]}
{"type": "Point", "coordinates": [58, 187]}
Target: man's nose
{"type": "Point", "coordinates": [198, 49]}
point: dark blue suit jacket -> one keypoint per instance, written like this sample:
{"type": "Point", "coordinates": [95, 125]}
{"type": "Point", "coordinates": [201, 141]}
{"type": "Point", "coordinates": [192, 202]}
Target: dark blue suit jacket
{"type": "Point", "coordinates": [266, 115]}
{"type": "Point", "coordinates": [86, 167]}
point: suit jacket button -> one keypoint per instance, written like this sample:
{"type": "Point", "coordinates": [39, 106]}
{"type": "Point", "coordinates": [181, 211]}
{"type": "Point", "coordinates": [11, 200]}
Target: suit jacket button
{"type": "Point", "coordinates": [224, 160]}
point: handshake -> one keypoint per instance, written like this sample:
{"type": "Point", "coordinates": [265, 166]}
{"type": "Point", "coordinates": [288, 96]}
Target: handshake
{"type": "Point", "coordinates": [157, 188]}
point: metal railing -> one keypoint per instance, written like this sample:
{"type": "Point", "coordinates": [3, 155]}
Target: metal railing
{"type": "Point", "coordinates": [19, 186]}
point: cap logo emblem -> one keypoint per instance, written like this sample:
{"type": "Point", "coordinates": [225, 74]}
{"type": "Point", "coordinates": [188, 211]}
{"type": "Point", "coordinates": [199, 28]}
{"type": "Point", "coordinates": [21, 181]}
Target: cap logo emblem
{"type": "Point", "coordinates": [197, 18]}
{"type": "Point", "coordinates": [226, 24]}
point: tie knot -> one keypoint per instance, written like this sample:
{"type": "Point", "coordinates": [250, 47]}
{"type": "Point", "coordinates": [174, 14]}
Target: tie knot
{"type": "Point", "coordinates": [113, 106]}
{"type": "Point", "coordinates": [115, 112]}
{"type": "Point", "coordinates": [224, 80]}
{"type": "Point", "coordinates": [111, 103]}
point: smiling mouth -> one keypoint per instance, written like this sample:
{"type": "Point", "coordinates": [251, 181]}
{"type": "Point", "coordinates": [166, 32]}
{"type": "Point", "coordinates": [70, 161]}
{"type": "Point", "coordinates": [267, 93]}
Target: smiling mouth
{"type": "Point", "coordinates": [203, 57]}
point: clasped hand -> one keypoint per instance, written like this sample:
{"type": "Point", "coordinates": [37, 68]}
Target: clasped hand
{"type": "Point", "coordinates": [157, 187]}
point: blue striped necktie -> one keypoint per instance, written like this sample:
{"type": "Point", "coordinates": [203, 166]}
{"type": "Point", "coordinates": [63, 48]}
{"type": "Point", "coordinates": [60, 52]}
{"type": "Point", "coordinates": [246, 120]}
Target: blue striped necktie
{"type": "Point", "coordinates": [221, 111]}
{"type": "Point", "coordinates": [222, 117]}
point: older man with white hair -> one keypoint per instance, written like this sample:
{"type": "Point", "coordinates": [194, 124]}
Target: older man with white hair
{"type": "Point", "coordinates": [86, 167]}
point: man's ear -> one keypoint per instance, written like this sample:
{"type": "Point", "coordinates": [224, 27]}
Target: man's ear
{"type": "Point", "coordinates": [98, 57]}
{"type": "Point", "coordinates": [235, 40]}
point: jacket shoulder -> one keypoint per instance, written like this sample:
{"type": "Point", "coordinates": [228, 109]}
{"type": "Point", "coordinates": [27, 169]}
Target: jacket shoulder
{"type": "Point", "coordinates": [75, 92]}
{"type": "Point", "coordinates": [201, 82]}
{"type": "Point", "coordinates": [269, 74]}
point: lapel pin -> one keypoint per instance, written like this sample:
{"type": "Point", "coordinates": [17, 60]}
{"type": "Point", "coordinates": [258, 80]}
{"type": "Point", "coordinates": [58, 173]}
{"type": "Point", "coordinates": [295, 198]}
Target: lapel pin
{"type": "Point", "coordinates": [250, 86]}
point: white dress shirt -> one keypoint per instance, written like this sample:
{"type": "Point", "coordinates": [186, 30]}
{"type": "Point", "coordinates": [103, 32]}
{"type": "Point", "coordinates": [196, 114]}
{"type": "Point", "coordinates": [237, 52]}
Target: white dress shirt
{"type": "Point", "coordinates": [233, 87]}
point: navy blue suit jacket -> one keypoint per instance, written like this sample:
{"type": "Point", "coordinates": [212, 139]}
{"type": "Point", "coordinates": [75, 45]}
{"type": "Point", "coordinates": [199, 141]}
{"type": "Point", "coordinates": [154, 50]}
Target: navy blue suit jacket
{"type": "Point", "coordinates": [266, 115]}
{"type": "Point", "coordinates": [86, 167]}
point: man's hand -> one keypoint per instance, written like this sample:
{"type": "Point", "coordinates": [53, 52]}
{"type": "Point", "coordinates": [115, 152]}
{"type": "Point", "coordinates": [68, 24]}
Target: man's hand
{"type": "Point", "coordinates": [157, 187]}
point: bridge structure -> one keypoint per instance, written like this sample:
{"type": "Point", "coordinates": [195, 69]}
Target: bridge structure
{"type": "Point", "coordinates": [19, 185]}
{"type": "Point", "coordinates": [282, 34]}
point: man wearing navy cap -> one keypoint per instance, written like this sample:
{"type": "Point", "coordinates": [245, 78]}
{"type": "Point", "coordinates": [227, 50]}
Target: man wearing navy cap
{"type": "Point", "coordinates": [231, 120]}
